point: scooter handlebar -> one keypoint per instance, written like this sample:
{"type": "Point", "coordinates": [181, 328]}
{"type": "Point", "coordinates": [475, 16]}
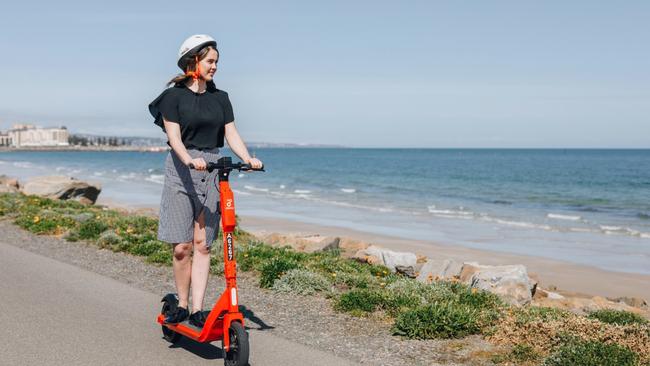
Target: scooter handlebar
{"type": "Point", "coordinates": [232, 166]}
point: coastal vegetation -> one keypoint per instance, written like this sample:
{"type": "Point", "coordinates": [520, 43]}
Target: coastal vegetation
{"type": "Point", "coordinates": [441, 310]}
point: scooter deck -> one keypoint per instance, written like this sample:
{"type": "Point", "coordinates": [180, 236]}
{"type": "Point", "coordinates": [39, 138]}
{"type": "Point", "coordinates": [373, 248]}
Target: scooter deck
{"type": "Point", "coordinates": [187, 323]}
{"type": "Point", "coordinates": [194, 332]}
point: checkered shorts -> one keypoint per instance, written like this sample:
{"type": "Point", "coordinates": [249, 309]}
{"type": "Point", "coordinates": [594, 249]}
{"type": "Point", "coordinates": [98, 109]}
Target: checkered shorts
{"type": "Point", "coordinates": [187, 193]}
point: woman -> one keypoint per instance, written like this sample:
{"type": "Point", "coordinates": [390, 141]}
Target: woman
{"type": "Point", "coordinates": [196, 117]}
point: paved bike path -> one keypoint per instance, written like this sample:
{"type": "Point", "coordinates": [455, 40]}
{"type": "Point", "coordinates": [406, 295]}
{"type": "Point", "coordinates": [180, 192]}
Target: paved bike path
{"type": "Point", "coordinates": [53, 313]}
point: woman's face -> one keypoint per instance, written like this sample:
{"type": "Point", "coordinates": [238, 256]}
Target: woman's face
{"type": "Point", "coordinates": [209, 65]}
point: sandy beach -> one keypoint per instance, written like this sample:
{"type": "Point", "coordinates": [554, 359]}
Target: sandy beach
{"type": "Point", "coordinates": [566, 276]}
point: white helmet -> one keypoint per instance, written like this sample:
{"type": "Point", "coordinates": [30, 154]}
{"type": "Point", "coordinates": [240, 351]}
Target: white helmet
{"type": "Point", "coordinates": [192, 46]}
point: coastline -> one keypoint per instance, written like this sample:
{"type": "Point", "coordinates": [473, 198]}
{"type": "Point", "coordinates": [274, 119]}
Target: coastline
{"type": "Point", "coordinates": [88, 148]}
{"type": "Point", "coordinates": [569, 278]}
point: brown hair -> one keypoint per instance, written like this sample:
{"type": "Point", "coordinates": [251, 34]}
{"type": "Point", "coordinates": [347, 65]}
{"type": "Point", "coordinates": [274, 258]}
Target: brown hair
{"type": "Point", "coordinates": [191, 66]}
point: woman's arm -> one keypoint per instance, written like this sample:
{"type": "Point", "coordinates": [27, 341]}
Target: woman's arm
{"type": "Point", "coordinates": [238, 147]}
{"type": "Point", "coordinates": [174, 135]}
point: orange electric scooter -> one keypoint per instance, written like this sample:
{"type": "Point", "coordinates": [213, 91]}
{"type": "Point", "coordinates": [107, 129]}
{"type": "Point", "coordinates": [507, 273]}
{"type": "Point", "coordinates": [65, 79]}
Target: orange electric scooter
{"type": "Point", "coordinates": [225, 322]}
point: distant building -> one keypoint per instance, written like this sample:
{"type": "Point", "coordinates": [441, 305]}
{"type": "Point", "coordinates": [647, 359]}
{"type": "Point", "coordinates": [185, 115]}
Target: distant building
{"type": "Point", "coordinates": [5, 139]}
{"type": "Point", "coordinates": [22, 135]}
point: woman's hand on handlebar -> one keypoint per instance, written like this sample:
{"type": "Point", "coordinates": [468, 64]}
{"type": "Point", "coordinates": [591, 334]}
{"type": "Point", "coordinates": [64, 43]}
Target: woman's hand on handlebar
{"type": "Point", "coordinates": [255, 163]}
{"type": "Point", "coordinates": [198, 164]}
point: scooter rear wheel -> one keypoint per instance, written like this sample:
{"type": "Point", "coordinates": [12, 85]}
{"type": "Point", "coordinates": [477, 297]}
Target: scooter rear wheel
{"type": "Point", "coordinates": [168, 334]}
{"type": "Point", "coordinates": [238, 353]}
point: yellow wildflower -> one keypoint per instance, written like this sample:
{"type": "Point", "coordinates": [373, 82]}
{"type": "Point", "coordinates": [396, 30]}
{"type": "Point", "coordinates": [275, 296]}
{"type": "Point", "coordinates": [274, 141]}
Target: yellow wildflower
{"type": "Point", "coordinates": [36, 219]}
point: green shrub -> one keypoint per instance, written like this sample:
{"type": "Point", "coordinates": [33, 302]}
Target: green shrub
{"type": "Point", "coordinates": [478, 299]}
{"type": "Point", "coordinates": [360, 301]}
{"type": "Point", "coordinates": [148, 248]}
{"type": "Point", "coordinates": [302, 282]}
{"type": "Point", "coordinates": [9, 203]}
{"type": "Point", "coordinates": [108, 239]}
{"type": "Point", "coordinates": [331, 262]}
{"type": "Point", "coordinates": [161, 256]}
{"type": "Point", "coordinates": [274, 269]}
{"type": "Point", "coordinates": [438, 320]}
{"type": "Point", "coordinates": [529, 314]}
{"type": "Point", "coordinates": [255, 255]}
{"type": "Point", "coordinates": [403, 294]}
{"type": "Point", "coordinates": [216, 258]}
{"type": "Point", "coordinates": [619, 317]}
{"type": "Point", "coordinates": [592, 354]}
{"type": "Point", "coordinates": [37, 225]}
{"type": "Point", "coordinates": [397, 303]}
{"type": "Point", "coordinates": [355, 280]}
{"type": "Point", "coordinates": [91, 230]}
{"type": "Point", "coordinates": [520, 353]}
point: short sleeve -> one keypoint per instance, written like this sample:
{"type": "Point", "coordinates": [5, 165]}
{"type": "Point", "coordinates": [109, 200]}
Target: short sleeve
{"type": "Point", "coordinates": [165, 106]}
{"type": "Point", "coordinates": [227, 109]}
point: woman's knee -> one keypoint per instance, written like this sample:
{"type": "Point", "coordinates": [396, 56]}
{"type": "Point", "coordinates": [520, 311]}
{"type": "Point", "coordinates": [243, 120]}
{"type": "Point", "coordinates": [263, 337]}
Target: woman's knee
{"type": "Point", "coordinates": [182, 250]}
{"type": "Point", "coordinates": [201, 246]}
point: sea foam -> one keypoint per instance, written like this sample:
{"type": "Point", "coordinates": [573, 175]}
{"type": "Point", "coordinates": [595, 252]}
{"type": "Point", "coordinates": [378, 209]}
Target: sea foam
{"type": "Point", "coordinates": [256, 189]}
{"type": "Point", "coordinates": [156, 178]}
{"type": "Point", "coordinates": [564, 217]}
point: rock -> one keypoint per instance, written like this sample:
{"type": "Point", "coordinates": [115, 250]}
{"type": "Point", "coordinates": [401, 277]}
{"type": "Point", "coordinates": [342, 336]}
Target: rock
{"type": "Point", "coordinates": [9, 181]}
{"type": "Point", "coordinates": [8, 189]}
{"type": "Point", "coordinates": [363, 257]}
{"type": "Point", "coordinates": [467, 271]}
{"type": "Point", "coordinates": [584, 305]}
{"type": "Point", "coordinates": [307, 244]}
{"type": "Point", "coordinates": [377, 255]}
{"type": "Point", "coordinates": [350, 246]}
{"type": "Point", "coordinates": [437, 269]}
{"type": "Point", "coordinates": [554, 296]}
{"type": "Point", "coordinates": [61, 187]}
{"type": "Point", "coordinates": [631, 301]}
{"type": "Point", "coordinates": [511, 283]}
{"type": "Point", "coordinates": [545, 294]}
{"type": "Point", "coordinates": [534, 280]}
{"type": "Point", "coordinates": [407, 271]}
{"type": "Point", "coordinates": [8, 184]}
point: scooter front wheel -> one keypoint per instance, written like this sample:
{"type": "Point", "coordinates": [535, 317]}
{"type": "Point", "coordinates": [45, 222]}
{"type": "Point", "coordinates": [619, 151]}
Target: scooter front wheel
{"type": "Point", "coordinates": [238, 353]}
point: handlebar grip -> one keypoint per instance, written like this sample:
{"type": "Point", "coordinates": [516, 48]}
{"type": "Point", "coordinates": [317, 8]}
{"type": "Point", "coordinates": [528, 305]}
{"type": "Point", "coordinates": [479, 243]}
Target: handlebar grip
{"type": "Point", "coordinates": [249, 167]}
{"type": "Point", "coordinates": [191, 165]}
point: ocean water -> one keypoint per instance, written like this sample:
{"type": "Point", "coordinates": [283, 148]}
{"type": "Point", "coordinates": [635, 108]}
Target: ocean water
{"type": "Point", "coordinates": [582, 206]}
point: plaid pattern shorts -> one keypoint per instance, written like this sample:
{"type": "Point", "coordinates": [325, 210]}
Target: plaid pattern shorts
{"type": "Point", "coordinates": [187, 193]}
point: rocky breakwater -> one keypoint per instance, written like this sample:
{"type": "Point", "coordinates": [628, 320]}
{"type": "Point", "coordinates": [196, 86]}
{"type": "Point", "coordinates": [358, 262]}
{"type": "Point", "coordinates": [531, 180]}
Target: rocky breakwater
{"type": "Point", "coordinates": [8, 184]}
{"type": "Point", "coordinates": [512, 283]}
{"type": "Point", "coordinates": [54, 187]}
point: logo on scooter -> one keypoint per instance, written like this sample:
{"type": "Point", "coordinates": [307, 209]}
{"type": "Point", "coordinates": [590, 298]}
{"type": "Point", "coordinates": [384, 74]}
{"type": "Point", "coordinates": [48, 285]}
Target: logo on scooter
{"type": "Point", "coordinates": [229, 243]}
{"type": "Point", "coordinates": [229, 204]}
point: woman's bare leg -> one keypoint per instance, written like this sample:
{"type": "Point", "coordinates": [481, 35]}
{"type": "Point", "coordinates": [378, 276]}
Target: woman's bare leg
{"type": "Point", "coordinates": [200, 264]}
{"type": "Point", "coordinates": [182, 271]}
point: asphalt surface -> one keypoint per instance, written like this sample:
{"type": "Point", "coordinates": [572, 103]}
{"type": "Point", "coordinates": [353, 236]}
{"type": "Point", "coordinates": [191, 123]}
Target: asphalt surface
{"type": "Point", "coordinates": [53, 313]}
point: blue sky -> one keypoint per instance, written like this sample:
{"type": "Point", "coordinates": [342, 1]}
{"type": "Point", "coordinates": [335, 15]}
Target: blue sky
{"type": "Point", "coordinates": [363, 73]}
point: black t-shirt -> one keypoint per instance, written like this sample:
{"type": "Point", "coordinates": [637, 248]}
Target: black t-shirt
{"type": "Point", "coordinates": [201, 116]}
